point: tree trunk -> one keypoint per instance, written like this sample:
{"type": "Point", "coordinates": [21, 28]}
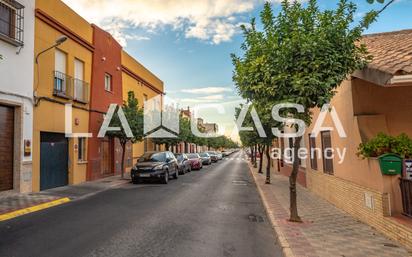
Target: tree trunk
{"type": "Point", "coordinates": [252, 155]}
{"type": "Point", "coordinates": [255, 163]}
{"type": "Point", "coordinates": [123, 144]}
{"type": "Point", "coordinates": [267, 164]}
{"type": "Point", "coordinates": [261, 150]}
{"type": "Point", "coordinates": [294, 216]}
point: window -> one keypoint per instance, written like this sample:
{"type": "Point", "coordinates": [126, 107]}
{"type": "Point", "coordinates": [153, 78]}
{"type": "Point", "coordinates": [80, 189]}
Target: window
{"type": "Point", "coordinates": [61, 80]}
{"type": "Point", "coordinates": [313, 153]}
{"type": "Point", "coordinates": [108, 82]}
{"type": "Point", "coordinates": [79, 84]}
{"type": "Point", "coordinates": [327, 152]}
{"type": "Point", "coordinates": [11, 22]}
{"type": "Point", "coordinates": [81, 149]}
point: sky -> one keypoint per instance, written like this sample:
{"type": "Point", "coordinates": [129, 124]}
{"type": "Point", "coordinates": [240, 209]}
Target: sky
{"type": "Point", "coordinates": [187, 43]}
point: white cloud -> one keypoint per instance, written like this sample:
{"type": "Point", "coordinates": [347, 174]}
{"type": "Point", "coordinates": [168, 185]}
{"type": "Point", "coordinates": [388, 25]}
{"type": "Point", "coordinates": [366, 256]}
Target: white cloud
{"type": "Point", "coordinates": [207, 90]}
{"type": "Point", "coordinates": [213, 21]}
{"type": "Point", "coordinates": [211, 97]}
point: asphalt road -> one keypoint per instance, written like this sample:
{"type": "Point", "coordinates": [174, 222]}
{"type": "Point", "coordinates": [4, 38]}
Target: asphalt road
{"type": "Point", "coordinates": [213, 212]}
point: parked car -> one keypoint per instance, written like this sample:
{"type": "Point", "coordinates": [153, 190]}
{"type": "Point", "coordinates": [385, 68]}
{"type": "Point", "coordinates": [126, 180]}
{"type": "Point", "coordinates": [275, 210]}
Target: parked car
{"type": "Point", "coordinates": [213, 156]}
{"type": "Point", "coordinates": [183, 163]}
{"type": "Point", "coordinates": [219, 155]}
{"type": "Point", "coordinates": [205, 157]}
{"type": "Point", "coordinates": [155, 166]}
{"type": "Point", "coordinates": [195, 161]}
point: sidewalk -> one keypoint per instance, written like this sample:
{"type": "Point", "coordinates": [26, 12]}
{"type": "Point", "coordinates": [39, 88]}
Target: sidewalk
{"type": "Point", "coordinates": [325, 231]}
{"type": "Point", "coordinates": [14, 204]}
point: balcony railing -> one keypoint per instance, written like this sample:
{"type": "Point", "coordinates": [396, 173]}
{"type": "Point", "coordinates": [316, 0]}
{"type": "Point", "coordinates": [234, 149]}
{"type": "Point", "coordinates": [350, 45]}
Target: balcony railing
{"type": "Point", "coordinates": [81, 91]}
{"type": "Point", "coordinates": [12, 22]}
{"type": "Point", "coordinates": [69, 88]}
{"type": "Point", "coordinates": [62, 85]}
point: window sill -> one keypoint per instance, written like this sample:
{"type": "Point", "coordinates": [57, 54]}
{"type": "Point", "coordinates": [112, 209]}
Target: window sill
{"type": "Point", "coordinates": [10, 40]}
{"type": "Point", "coordinates": [82, 162]}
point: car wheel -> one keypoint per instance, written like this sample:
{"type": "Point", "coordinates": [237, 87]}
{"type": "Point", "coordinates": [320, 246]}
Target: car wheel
{"type": "Point", "coordinates": [165, 179]}
{"type": "Point", "coordinates": [176, 175]}
{"type": "Point", "coordinates": [135, 181]}
{"type": "Point", "coordinates": [189, 169]}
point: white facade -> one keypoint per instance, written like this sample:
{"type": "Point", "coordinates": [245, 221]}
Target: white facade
{"type": "Point", "coordinates": [16, 91]}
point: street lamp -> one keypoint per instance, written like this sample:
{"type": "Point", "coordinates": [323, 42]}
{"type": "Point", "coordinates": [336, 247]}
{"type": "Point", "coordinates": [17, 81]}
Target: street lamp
{"type": "Point", "coordinates": [60, 40]}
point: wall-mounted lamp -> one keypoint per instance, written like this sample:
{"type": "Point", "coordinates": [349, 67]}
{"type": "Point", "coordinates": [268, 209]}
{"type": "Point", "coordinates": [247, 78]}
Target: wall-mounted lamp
{"type": "Point", "coordinates": [58, 42]}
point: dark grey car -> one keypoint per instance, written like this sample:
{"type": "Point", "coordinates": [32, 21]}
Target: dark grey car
{"type": "Point", "coordinates": [155, 166]}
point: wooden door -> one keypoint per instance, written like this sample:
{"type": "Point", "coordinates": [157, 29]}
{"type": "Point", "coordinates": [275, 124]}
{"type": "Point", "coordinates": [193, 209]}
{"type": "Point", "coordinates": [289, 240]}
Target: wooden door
{"type": "Point", "coordinates": [106, 157]}
{"type": "Point", "coordinates": [6, 147]}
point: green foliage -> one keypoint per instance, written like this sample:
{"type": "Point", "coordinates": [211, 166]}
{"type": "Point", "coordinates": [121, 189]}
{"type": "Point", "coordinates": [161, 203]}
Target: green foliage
{"type": "Point", "coordinates": [186, 135]}
{"type": "Point", "coordinates": [134, 116]}
{"type": "Point", "coordinates": [302, 55]}
{"type": "Point", "coordinates": [382, 144]}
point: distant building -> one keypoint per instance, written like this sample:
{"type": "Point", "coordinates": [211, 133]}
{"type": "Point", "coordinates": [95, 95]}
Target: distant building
{"type": "Point", "coordinates": [211, 128]}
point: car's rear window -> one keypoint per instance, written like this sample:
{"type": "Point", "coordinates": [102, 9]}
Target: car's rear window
{"type": "Point", "coordinates": [203, 155]}
{"type": "Point", "coordinates": [192, 156]}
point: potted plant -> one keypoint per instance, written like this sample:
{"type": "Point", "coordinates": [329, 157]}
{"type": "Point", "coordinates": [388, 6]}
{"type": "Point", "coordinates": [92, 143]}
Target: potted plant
{"type": "Point", "coordinates": [389, 150]}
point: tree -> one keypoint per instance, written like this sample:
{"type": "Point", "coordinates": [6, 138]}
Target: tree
{"type": "Point", "coordinates": [134, 117]}
{"type": "Point", "coordinates": [248, 138]}
{"type": "Point", "coordinates": [302, 55]}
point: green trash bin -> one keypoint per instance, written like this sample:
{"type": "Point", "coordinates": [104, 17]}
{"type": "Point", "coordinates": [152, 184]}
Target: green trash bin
{"type": "Point", "coordinates": [391, 164]}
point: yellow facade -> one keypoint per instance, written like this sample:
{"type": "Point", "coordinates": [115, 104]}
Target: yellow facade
{"type": "Point", "coordinates": [57, 19]}
{"type": "Point", "coordinates": [141, 90]}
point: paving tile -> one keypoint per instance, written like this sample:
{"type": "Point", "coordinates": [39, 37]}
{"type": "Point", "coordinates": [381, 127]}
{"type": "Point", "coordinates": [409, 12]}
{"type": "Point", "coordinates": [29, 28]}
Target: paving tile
{"type": "Point", "coordinates": [327, 230]}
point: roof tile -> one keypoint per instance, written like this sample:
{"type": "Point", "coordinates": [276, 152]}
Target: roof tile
{"type": "Point", "coordinates": [392, 51]}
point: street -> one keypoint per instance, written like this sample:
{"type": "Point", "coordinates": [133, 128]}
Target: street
{"type": "Point", "coordinates": [212, 212]}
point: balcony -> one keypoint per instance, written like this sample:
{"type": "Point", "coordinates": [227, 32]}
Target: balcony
{"type": "Point", "coordinates": [62, 85]}
{"type": "Point", "coordinates": [81, 91]}
{"type": "Point", "coordinates": [69, 88]}
{"type": "Point", "coordinates": [12, 22]}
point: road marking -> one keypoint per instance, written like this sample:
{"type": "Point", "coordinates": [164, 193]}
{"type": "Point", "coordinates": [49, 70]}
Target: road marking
{"type": "Point", "coordinates": [14, 214]}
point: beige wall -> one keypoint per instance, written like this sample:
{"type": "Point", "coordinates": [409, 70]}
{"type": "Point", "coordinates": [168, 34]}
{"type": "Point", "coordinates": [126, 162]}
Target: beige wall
{"type": "Point", "coordinates": [364, 110]}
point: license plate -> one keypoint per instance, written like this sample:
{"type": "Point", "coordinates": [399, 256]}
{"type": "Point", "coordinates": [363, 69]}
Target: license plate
{"type": "Point", "coordinates": [145, 175]}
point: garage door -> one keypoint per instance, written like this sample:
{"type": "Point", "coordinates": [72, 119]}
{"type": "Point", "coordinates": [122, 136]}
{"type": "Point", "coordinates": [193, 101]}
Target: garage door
{"type": "Point", "coordinates": [53, 160]}
{"type": "Point", "coordinates": [6, 147]}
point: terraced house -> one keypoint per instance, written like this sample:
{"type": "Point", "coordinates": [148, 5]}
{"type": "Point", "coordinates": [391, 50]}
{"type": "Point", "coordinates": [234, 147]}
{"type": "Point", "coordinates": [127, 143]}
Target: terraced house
{"type": "Point", "coordinates": [145, 85]}
{"type": "Point", "coordinates": [104, 154]}
{"type": "Point", "coordinates": [64, 53]}
{"type": "Point", "coordinates": [16, 94]}
{"type": "Point", "coordinates": [80, 64]}
{"type": "Point", "coordinates": [375, 99]}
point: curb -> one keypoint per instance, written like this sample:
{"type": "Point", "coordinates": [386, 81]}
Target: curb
{"type": "Point", "coordinates": [35, 208]}
{"type": "Point", "coordinates": [283, 242]}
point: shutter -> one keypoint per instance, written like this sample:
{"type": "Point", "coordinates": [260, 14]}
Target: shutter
{"type": "Point", "coordinates": [78, 82]}
{"type": "Point", "coordinates": [327, 143]}
{"type": "Point", "coordinates": [60, 61]}
{"type": "Point", "coordinates": [313, 153]}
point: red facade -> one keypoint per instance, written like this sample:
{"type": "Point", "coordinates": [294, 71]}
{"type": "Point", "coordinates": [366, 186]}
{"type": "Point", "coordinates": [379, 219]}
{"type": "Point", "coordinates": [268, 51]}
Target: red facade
{"type": "Point", "coordinates": [104, 154]}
